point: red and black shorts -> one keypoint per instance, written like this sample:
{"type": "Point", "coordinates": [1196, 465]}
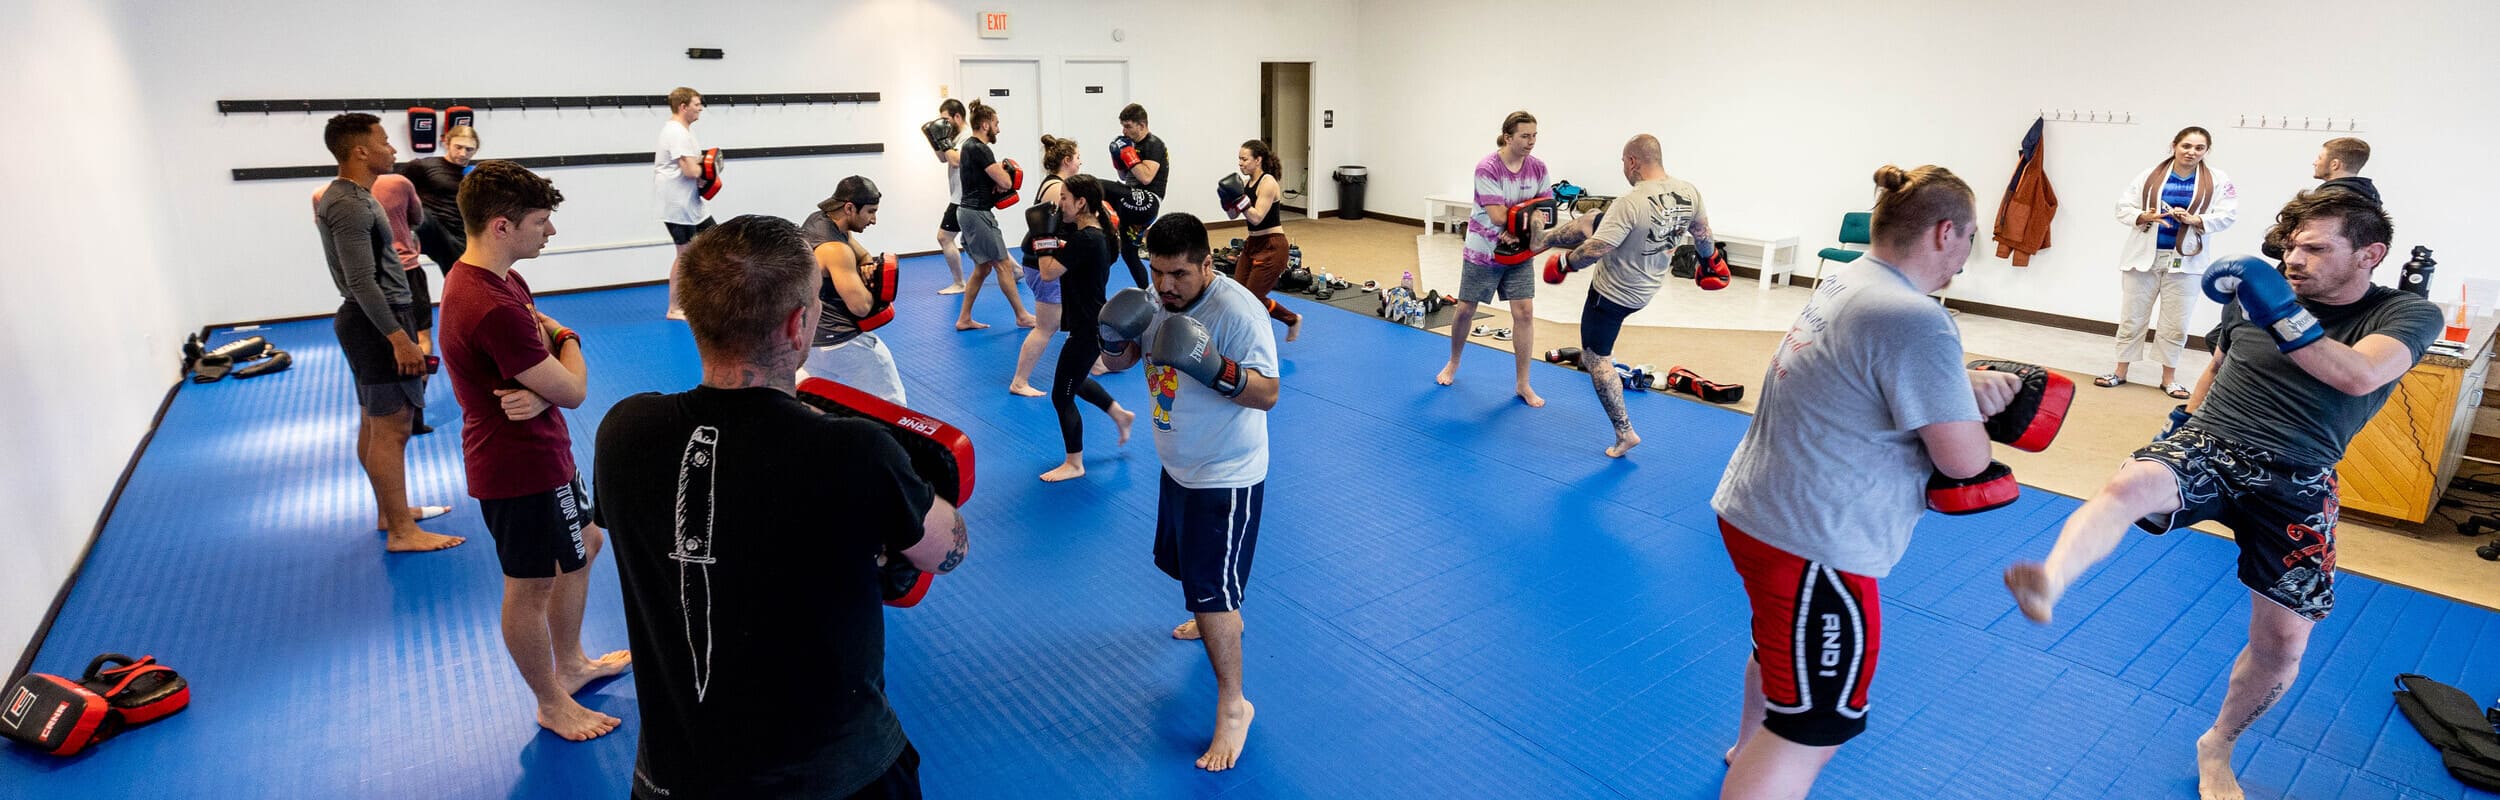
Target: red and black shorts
{"type": "Point", "coordinates": [1816, 631]}
{"type": "Point", "coordinates": [2281, 515]}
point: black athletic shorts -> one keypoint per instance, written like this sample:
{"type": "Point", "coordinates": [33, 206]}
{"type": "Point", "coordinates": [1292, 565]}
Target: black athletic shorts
{"type": "Point", "coordinates": [540, 535]}
{"type": "Point", "coordinates": [1204, 538]}
{"type": "Point", "coordinates": [681, 234]}
{"type": "Point", "coordinates": [380, 389]}
{"type": "Point", "coordinates": [946, 220]}
{"type": "Point", "coordinates": [1601, 321]}
{"type": "Point", "coordinates": [420, 300]}
{"type": "Point", "coordinates": [2282, 515]}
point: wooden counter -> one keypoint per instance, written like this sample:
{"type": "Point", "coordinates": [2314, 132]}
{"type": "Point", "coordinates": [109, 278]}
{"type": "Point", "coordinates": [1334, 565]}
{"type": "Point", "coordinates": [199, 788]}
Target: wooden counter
{"type": "Point", "coordinates": [2400, 463]}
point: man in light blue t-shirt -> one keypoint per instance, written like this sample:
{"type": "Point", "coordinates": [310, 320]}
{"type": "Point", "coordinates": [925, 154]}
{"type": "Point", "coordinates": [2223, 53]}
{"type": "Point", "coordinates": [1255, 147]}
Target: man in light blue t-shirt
{"type": "Point", "coordinates": [1211, 370]}
{"type": "Point", "coordinates": [1864, 401]}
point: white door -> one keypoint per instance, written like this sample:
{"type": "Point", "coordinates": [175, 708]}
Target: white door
{"type": "Point", "coordinates": [1014, 87]}
{"type": "Point", "coordinates": [1091, 94]}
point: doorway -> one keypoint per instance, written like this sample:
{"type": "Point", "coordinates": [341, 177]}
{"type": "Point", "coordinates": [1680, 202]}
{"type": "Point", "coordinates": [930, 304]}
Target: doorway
{"type": "Point", "coordinates": [1285, 124]}
{"type": "Point", "coordinates": [1014, 87]}
{"type": "Point", "coordinates": [1091, 94]}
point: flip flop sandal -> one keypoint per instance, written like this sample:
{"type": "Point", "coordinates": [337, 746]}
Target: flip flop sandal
{"type": "Point", "coordinates": [2110, 380]}
{"type": "Point", "coordinates": [1371, 286]}
{"type": "Point", "coordinates": [1480, 331]}
{"type": "Point", "coordinates": [2176, 391]}
{"type": "Point", "coordinates": [1501, 334]}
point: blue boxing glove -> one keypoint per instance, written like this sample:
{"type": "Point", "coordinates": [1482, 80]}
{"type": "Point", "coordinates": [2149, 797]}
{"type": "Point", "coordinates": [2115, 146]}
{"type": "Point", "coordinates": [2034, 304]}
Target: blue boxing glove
{"type": "Point", "coordinates": [2265, 297]}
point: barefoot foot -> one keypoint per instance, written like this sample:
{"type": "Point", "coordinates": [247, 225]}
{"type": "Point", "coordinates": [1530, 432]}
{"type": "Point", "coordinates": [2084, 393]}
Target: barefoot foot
{"type": "Point", "coordinates": [1624, 442]}
{"type": "Point", "coordinates": [573, 722]}
{"type": "Point", "coordinates": [1449, 374]}
{"type": "Point", "coordinates": [1025, 390]}
{"type": "Point", "coordinates": [1027, 321]}
{"type": "Point", "coordinates": [1232, 730]}
{"type": "Point", "coordinates": [952, 288]}
{"type": "Point", "coordinates": [969, 325]}
{"type": "Point", "coordinates": [2214, 780]}
{"type": "Point", "coordinates": [607, 666]}
{"type": "Point", "coordinates": [1186, 631]}
{"type": "Point", "coordinates": [1068, 471]}
{"type": "Point", "coordinates": [1293, 330]}
{"type": "Point", "coordinates": [2029, 583]}
{"type": "Point", "coordinates": [416, 541]}
{"type": "Point", "coordinates": [1122, 417]}
{"type": "Point", "coordinates": [1528, 395]}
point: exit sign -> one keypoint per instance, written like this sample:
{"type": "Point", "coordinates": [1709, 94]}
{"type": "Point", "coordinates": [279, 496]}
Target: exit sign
{"type": "Point", "coordinates": [994, 25]}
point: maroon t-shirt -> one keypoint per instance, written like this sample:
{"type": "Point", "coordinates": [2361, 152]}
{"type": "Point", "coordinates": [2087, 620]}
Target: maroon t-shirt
{"type": "Point", "coordinates": [489, 332]}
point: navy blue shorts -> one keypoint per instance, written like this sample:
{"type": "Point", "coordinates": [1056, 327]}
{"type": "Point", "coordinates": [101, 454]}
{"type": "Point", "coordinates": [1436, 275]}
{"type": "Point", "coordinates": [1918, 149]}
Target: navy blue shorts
{"type": "Point", "coordinates": [1204, 538]}
{"type": "Point", "coordinates": [1601, 320]}
{"type": "Point", "coordinates": [2281, 515]}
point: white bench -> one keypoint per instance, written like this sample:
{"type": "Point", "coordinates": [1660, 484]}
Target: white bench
{"type": "Point", "coordinates": [1773, 256]}
{"type": "Point", "coordinates": [1450, 209]}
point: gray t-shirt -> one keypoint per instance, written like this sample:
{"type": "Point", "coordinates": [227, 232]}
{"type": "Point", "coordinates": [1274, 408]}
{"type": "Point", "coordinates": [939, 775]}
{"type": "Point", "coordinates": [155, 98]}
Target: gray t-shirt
{"type": "Point", "coordinates": [2262, 399]}
{"type": "Point", "coordinates": [1645, 227]}
{"type": "Point", "coordinates": [357, 243]}
{"type": "Point", "coordinates": [1832, 469]}
{"type": "Point", "coordinates": [1206, 440]}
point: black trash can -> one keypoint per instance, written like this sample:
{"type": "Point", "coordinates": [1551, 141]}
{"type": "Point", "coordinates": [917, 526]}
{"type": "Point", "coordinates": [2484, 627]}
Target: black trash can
{"type": "Point", "coordinates": [1350, 180]}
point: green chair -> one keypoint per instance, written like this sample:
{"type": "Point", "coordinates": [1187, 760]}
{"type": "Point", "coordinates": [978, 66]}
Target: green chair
{"type": "Point", "coordinates": [1853, 230]}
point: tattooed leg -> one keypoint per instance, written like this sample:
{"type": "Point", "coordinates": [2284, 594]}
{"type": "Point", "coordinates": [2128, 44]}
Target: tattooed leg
{"type": "Point", "coordinates": [1610, 394]}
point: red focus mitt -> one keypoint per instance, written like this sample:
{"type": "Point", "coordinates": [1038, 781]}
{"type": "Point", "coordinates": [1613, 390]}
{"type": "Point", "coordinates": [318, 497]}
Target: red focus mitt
{"type": "Point", "coordinates": [882, 279]}
{"type": "Point", "coordinates": [61, 716]}
{"type": "Point", "coordinates": [709, 183]}
{"type": "Point", "coordinates": [1522, 223]}
{"type": "Point", "coordinates": [1991, 489]}
{"type": "Point", "coordinates": [939, 453]}
{"type": "Point", "coordinates": [2038, 411]}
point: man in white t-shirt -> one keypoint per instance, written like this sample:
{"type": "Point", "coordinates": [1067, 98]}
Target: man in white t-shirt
{"type": "Point", "coordinates": [1212, 372]}
{"type": "Point", "coordinates": [677, 174]}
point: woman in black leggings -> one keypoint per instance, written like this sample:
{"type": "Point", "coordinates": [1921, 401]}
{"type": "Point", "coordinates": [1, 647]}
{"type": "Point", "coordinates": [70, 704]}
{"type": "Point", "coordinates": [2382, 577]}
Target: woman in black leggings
{"type": "Point", "coordinates": [1081, 263]}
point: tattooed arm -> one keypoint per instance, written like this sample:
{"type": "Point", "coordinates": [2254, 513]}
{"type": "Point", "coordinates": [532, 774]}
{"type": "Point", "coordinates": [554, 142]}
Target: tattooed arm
{"type": "Point", "coordinates": [944, 541]}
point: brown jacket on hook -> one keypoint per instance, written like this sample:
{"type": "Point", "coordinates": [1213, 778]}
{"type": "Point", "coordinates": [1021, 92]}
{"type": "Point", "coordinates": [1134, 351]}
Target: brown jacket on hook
{"type": "Point", "coordinates": [2023, 217]}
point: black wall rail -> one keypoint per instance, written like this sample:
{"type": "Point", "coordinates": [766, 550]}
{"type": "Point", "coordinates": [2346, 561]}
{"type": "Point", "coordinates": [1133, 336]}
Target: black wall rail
{"type": "Point", "coordinates": [590, 159]}
{"type": "Point", "coordinates": [537, 102]}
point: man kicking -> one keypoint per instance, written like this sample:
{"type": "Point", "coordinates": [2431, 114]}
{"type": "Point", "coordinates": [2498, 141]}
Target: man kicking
{"type": "Point", "coordinates": [2302, 361]}
{"type": "Point", "coordinates": [1211, 366]}
{"type": "Point", "coordinates": [1667, 214]}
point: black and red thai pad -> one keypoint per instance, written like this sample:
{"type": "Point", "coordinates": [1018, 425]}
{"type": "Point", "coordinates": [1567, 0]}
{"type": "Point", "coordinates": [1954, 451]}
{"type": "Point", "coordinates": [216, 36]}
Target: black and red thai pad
{"type": "Point", "coordinates": [1686, 381]}
{"type": "Point", "coordinates": [456, 116]}
{"type": "Point", "coordinates": [1521, 224]}
{"type": "Point", "coordinates": [901, 584]}
{"type": "Point", "coordinates": [421, 131]}
{"type": "Point", "coordinates": [56, 715]}
{"type": "Point", "coordinates": [940, 454]}
{"type": "Point", "coordinates": [888, 279]}
{"type": "Point", "coordinates": [140, 689]}
{"type": "Point", "coordinates": [709, 184]}
{"type": "Point", "coordinates": [2038, 411]}
{"type": "Point", "coordinates": [1993, 488]}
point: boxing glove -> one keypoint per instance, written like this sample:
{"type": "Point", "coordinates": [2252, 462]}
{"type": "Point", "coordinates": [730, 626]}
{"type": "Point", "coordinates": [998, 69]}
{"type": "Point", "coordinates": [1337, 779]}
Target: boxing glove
{"type": "Point", "coordinates": [1124, 318]}
{"type": "Point", "coordinates": [940, 133]}
{"type": "Point", "coordinates": [1234, 196]}
{"type": "Point", "coordinates": [1712, 274]}
{"type": "Point", "coordinates": [1124, 155]}
{"type": "Point", "coordinates": [2266, 298]}
{"type": "Point", "coordinates": [2179, 417]}
{"type": "Point", "coordinates": [1045, 227]}
{"type": "Point", "coordinates": [1557, 267]}
{"type": "Point", "coordinates": [1185, 344]}
{"type": "Point", "coordinates": [1992, 488]}
{"type": "Point", "coordinates": [1015, 183]}
{"type": "Point", "coordinates": [709, 183]}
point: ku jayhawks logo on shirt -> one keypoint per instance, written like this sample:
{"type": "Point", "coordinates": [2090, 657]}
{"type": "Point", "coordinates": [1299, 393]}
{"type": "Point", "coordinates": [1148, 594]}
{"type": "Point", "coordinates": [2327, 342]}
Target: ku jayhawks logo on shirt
{"type": "Point", "coordinates": [1164, 383]}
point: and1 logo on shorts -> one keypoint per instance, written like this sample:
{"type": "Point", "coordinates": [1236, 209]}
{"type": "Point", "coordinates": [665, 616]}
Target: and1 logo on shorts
{"type": "Point", "coordinates": [1164, 383]}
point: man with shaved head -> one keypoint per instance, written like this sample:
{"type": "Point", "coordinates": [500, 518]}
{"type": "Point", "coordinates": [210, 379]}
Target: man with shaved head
{"type": "Point", "coordinates": [1634, 243]}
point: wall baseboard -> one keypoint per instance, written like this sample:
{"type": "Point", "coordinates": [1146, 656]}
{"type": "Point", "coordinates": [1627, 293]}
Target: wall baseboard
{"type": "Point", "coordinates": [43, 630]}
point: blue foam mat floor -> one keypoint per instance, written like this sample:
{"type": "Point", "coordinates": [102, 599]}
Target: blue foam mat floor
{"type": "Point", "coordinates": [1455, 596]}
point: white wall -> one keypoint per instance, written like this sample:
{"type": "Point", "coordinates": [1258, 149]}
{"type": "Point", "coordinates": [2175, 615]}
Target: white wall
{"type": "Point", "coordinates": [1781, 110]}
{"type": "Point", "coordinates": [88, 303]}
{"type": "Point", "coordinates": [256, 244]}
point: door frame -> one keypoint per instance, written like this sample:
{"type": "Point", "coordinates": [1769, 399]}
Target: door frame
{"type": "Point", "coordinates": [1310, 125]}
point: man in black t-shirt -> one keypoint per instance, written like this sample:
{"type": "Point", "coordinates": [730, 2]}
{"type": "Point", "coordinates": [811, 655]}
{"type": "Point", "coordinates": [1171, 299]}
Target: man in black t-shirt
{"type": "Point", "coordinates": [1142, 162]}
{"type": "Point", "coordinates": [2303, 360]}
{"type": "Point", "coordinates": [747, 530]}
{"type": "Point", "coordinates": [437, 179]}
{"type": "Point", "coordinates": [986, 179]}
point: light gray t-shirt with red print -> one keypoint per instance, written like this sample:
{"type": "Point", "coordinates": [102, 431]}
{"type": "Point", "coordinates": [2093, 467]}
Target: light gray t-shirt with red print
{"type": "Point", "coordinates": [1206, 440]}
{"type": "Point", "coordinates": [1832, 469]}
